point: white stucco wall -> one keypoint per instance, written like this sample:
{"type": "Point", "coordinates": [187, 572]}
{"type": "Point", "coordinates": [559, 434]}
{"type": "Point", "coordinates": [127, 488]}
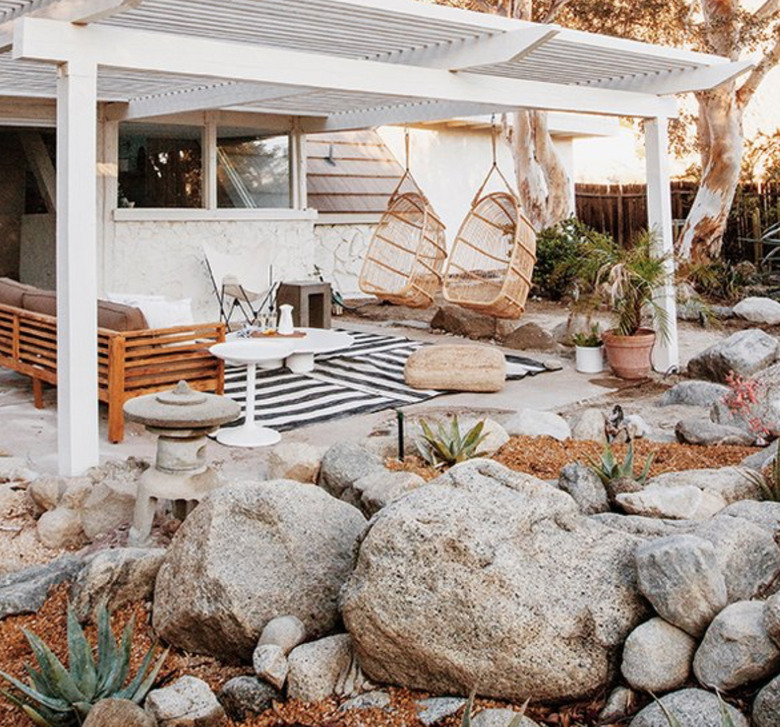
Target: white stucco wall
{"type": "Point", "coordinates": [166, 257]}
{"type": "Point", "coordinates": [339, 252]}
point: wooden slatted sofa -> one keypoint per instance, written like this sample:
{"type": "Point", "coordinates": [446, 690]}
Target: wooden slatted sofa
{"type": "Point", "coordinates": [133, 360]}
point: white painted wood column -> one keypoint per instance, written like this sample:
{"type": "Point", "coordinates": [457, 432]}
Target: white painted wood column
{"type": "Point", "coordinates": [77, 382]}
{"type": "Point", "coordinates": [666, 354]}
{"type": "Point", "coordinates": [298, 166]}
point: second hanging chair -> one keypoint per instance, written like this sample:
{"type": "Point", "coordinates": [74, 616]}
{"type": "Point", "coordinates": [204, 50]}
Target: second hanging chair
{"type": "Point", "coordinates": [404, 261]}
{"type": "Point", "coordinates": [493, 255]}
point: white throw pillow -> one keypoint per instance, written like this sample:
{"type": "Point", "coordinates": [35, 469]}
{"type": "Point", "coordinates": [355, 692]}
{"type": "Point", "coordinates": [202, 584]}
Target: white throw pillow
{"type": "Point", "coordinates": [134, 299]}
{"type": "Point", "coordinates": [167, 313]}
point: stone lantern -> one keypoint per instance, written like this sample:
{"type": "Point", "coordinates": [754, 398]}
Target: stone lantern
{"type": "Point", "coordinates": [181, 419]}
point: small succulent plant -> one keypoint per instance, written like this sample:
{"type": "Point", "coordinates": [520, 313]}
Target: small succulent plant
{"type": "Point", "coordinates": [447, 445]}
{"type": "Point", "coordinates": [58, 697]}
{"type": "Point", "coordinates": [609, 468]}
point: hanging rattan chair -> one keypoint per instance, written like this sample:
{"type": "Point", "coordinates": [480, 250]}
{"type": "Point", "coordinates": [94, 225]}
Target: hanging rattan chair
{"type": "Point", "coordinates": [492, 259]}
{"type": "Point", "coordinates": [406, 255]}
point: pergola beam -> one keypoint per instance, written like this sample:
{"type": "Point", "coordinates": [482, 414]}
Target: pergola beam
{"type": "Point", "coordinates": [219, 96]}
{"type": "Point", "coordinates": [52, 41]}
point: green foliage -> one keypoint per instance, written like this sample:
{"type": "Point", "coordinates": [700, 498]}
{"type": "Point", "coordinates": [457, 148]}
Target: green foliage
{"type": "Point", "coordinates": [58, 697]}
{"type": "Point", "coordinates": [768, 481]}
{"type": "Point", "coordinates": [609, 468]}
{"type": "Point", "coordinates": [447, 445]}
{"type": "Point", "coordinates": [559, 254]}
{"type": "Point", "coordinates": [588, 340]}
{"type": "Point", "coordinates": [719, 279]}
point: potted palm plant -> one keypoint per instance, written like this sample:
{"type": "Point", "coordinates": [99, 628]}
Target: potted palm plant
{"type": "Point", "coordinates": [630, 283]}
{"type": "Point", "coordinates": [589, 351]}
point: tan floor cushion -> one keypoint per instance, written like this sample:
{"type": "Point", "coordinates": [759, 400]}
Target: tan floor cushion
{"type": "Point", "coordinates": [113, 316]}
{"type": "Point", "coordinates": [452, 367]}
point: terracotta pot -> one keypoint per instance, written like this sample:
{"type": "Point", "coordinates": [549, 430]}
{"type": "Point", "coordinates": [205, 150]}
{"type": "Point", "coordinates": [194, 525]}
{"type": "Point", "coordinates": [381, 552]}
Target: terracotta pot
{"type": "Point", "coordinates": [629, 356]}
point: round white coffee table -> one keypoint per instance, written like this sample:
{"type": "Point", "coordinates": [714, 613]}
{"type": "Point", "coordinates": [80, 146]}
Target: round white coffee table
{"type": "Point", "coordinates": [251, 353]}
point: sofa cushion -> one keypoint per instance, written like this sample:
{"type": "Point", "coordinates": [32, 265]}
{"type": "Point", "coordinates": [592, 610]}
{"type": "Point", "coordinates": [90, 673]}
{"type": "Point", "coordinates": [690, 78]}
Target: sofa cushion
{"type": "Point", "coordinates": [12, 291]}
{"type": "Point", "coordinates": [113, 316]}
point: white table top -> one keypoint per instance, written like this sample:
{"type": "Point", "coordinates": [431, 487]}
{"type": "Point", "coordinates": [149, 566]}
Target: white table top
{"type": "Point", "coordinates": [252, 350]}
{"type": "Point", "coordinates": [316, 340]}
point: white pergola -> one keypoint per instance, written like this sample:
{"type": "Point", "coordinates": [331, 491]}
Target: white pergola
{"type": "Point", "coordinates": [330, 64]}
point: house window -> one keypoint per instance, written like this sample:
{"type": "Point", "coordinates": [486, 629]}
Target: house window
{"type": "Point", "coordinates": [160, 166]}
{"type": "Point", "coordinates": [253, 170]}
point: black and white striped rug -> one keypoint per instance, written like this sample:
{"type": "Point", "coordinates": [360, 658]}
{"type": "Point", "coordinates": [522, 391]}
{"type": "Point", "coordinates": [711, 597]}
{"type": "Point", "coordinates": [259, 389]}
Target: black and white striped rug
{"type": "Point", "coordinates": [364, 378]}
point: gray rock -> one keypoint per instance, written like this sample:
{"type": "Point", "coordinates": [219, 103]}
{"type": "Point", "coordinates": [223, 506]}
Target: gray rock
{"type": "Point", "coordinates": [435, 709]}
{"type": "Point", "coordinates": [16, 469]}
{"type": "Point", "coordinates": [295, 461]}
{"type": "Point", "coordinates": [620, 703]}
{"type": "Point", "coordinates": [106, 509]}
{"type": "Point", "coordinates": [758, 310]}
{"type": "Point", "coordinates": [286, 632]}
{"type": "Point", "coordinates": [501, 718]}
{"type": "Point", "coordinates": [694, 393]}
{"type": "Point", "coordinates": [684, 502]}
{"type": "Point", "coordinates": [766, 707]}
{"type": "Point", "coordinates": [244, 697]}
{"type": "Point", "coordinates": [736, 650]}
{"type": "Point", "coordinates": [380, 488]}
{"type": "Point", "coordinates": [188, 702]}
{"type": "Point", "coordinates": [343, 465]}
{"type": "Point", "coordinates": [765, 514]}
{"type": "Point", "coordinates": [26, 591]}
{"type": "Point", "coordinates": [60, 528]}
{"type": "Point", "coordinates": [470, 324]}
{"type": "Point", "coordinates": [530, 336]}
{"type": "Point", "coordinates": [270, 664]}
{"type": "Point", "coordinates": [116, 578]}
{"type": "Point", "coordinates": [45, 492]}
{"type": "Point", "coordinates": [249, 553]}
{"type": "Point", "coordinates": [77, 492]}
{"type": "Point", "coordinates": [743, 352]}
{"type": "Point", "coordinates": [589, 424]}
{"type": "Point", "coordinates": [747, 556]}
{"type": "Point", "coordinates": [772, 617]}
{"type": "Point", "coordinates": [731, 483]}
{"type": "Point", "coordinates": [691, 708]}
{"type": "Point", "coordinates": [370, 700]}
{"type": "Point", "coordinates": [645, 527]}
{"type": "Point", "coordinates": [325, 668]}
{"type": "Point", "coordinates": [657, 657]}
{"type": "Point", "coordinates": [118, 713]}
{"type": "Point", "coordinates": [762, 458]}
{"type": "Point", "coordinates": [681, 578]}
{"type": "Point", "coordinates": [533, 423]}
{"type": "Point", "coordinates": [585, 487]}
{"type": "Point", "coordinates": [489, 550]}
{"type": "Point", "coordinates": [705, 433]}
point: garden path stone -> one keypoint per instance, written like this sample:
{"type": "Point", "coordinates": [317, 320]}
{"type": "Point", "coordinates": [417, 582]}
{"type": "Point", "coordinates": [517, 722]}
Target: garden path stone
{"type": "Point", "coordinates": [657, 657]}
{"type": "Point", "coordinates": [707, 433]}
{"type": "Point", "coordinates": [585, 487]}
{"type": "Point", "coordinates": [747, 555]}
{"type": "Point", "coordinates": [736, 650]}
{"type": "Point", "coordinates": [694, 393]}
{"type": "Point", "coordinates": [26, 591]}
{"type": "Point", "coordinates": [744, 352]}
{"type": "Point", "coordinates": [681, 578]}
{"type": "Point", "coordinates": [691, 708]}
{"type": "Point", "coordinates": [533, 423]}
{"type": "Point", "coordinates": [520, 543]}
{"type": "Point", "coordinates": [758, 309]}
{"type": "Point", "coordinates": [244, 697]}
{"type": "Point", "coordinates": [249, 553]}
{"type": "Point", "coordinates": [766, 706]}
{"type": "Point", "coordinates": [188, 702]}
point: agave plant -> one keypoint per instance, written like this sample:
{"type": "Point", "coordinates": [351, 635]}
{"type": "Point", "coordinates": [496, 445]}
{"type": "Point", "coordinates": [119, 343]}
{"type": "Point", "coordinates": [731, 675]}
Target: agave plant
{"type": "Point", "coordinates": [58, 697]}
{"type": "Point", "coordinates": [609, 468]}
{"type": "Point", "coordinates": [448, 446]}
{"type": "Point", "coordinates": [768, 481]}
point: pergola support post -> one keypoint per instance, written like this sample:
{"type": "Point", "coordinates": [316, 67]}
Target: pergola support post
{"type": "Point", "coordinates": [666, 355]}
{"type": "Point", "coordinates": [77, 366]}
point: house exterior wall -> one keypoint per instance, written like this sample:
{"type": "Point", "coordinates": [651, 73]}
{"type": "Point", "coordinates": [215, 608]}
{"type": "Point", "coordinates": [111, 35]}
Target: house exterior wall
{"type": "Point", "coordinates": [339, 253]}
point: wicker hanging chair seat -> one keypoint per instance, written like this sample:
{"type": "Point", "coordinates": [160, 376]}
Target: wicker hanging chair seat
{"type": "Point", "coordinates": [407, 251]}
{"type": "Point", "coordinates": [493, 256]}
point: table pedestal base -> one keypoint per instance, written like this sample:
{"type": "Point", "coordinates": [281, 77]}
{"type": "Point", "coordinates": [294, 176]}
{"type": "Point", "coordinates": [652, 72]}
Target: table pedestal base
{"type": "Point", "coordinates": [248, 435]}
{"type": "Point", "coordinates": [300, 363]}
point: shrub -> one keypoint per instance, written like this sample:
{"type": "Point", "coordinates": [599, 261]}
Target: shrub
{"type": "Point", "coordinates": [60, 697]}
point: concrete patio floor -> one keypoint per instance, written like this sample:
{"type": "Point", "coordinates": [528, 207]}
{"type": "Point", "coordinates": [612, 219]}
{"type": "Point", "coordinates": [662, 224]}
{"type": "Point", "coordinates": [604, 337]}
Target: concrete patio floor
{"type": "Point", "coordinates": [31, 433]}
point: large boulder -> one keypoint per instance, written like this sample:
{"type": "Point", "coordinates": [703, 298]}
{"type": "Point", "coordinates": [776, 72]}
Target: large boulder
{"type": "Point", "coordinates": [470, 324]}
{"type": "Point", "coordinates": [766, 409]}
{"type": "Point", "coordinates": [758, 310]}
{"type": "Point", "coordinates": [731, 483]}
{"type": "Point", "coordinates": [26, 591]}
{"type": "Point", "coordinates": [744, 352]}
{"type": "Point", "coordinates": [765, 514]}
{"type": "Point", "coordinates": [684, 502]}
{"type": "Point", "coordinates": [706, 433]}
{"type": "Point", "coordinates": [694, 393]}
{"type": "Point", "coordinates": [530, 336]}
{"type": "Point", "coordinates": [680, 576]}
{"type": "Point", "coordinates": [766, 707]}
{"type": "Point", "coordinates": [249, 553]}
{"type": "Point", "coordinates": [691, 708]}
{"type": "Point", "coordinates": [736, 650]}
{"type": "Point", "coordinates": [657, 657]}
{"type": "Point", "coordinates": [489, 551]}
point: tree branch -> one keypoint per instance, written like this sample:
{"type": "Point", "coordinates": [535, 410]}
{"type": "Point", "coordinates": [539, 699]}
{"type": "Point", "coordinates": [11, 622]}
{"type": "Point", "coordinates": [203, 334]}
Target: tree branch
{"type": "Point", "coordinates": [767, 10]}
{"type": "Point", "coordinates": [557, 5]}
{"type": "Point", "coordinates": [766, 64]}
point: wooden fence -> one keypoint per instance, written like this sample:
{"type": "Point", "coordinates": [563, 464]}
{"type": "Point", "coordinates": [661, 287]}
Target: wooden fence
{"type": "Point", "coordinates": [621, 211]}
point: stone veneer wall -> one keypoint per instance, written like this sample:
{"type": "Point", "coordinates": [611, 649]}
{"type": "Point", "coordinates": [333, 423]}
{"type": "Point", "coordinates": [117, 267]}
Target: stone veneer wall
{"type": "Point", "coordinates": [339, 253]}
{"type": "Point", "coordinates": [166, 258]}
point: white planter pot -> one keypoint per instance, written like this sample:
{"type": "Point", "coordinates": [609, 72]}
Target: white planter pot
{"type": "Point", "coordinates": [590, 359]}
